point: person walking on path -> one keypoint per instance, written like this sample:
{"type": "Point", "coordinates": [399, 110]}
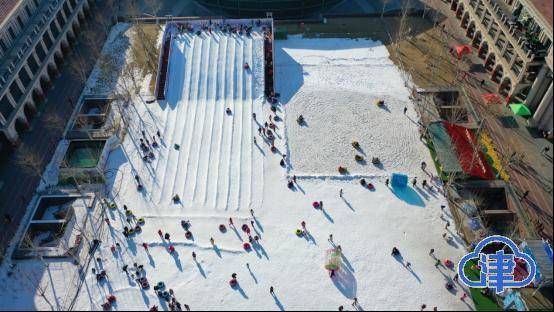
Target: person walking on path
{"type": "Point", "coordinates": [408, 265]}
{"type": "Point", "coordinates": [341, 308]}
{"type": "Point", "coordinates": [7, 218]}
{"type": "Point", "coordinates": [272, 290]}
{"type": "Point", "coordinates": [545, 150]}
{"type": "Point", "coordinates": [387, 181]}
{"type": "Point", "coordinates": [414, 182]}
{"type": "Point", "coordinates": [355, 302]}
{"type": "Point", "coordinates": [432, 252]}
{"type": "Point", "coordinates": [455, 277]}
{"type": "Point", "coordinates": [525, 194]}
{"type": "Point", "coordinates": [331, 238]}
{"type": "Point", "coordinates": [423, 165]}
{"type": "Point", "coordinates": [437, 263]}
{"type": "Point", "coordinates": [463, 297]}
{"type": "Point", "coordinates": [447, 225]}
{"type": "Point", "coordinates": [405, 110]}
{"type": "Point", "coordinates": [340, 193]}
{"type": "Point", "coordinates": [252, 212]}
{"type": "Point", "coordinates": [193, 256]}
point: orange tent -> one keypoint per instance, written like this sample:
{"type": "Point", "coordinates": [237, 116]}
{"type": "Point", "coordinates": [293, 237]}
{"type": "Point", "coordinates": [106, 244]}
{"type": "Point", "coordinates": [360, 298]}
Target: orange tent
{"type": "Point", "coordinates": [462, 49]}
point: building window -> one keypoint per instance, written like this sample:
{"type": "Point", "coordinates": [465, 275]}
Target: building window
{"type": "Point", "coordinates": [28, 11]}
{"type": "Point", "coordinates": [60, 19]}
{"type": "Point", "coordinates": [6, 107]}
{"type": "Point", "coordinates": [12, 33]}
{"type": "Point", "coordinates": [40, 52]}
{"type": "Point", "coordinates": [54, 29]}
{"type": "Point", "coordinates": [47, 40]}
{"type": "Point", "coordinates": [66, 9]}
{"type": "Point", "coordinates": [32, 64]}
{"type": "Point", "coordinates": [24, 77]}
{"type": "Point", "coordinates": [3, 45]}
{"type": "Point", "coordinates": [15, 91]}
{"type": "Point", "coordinates": [20, 22]}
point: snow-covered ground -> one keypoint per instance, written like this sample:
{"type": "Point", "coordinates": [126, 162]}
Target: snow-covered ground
{"type": "Point", "coordinates": [335, 84]}
{"type": "Point", "coordinates": [220, 173]}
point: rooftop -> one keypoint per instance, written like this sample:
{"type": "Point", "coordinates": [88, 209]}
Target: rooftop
{"type": "Point", "coordinates": [6, 8]}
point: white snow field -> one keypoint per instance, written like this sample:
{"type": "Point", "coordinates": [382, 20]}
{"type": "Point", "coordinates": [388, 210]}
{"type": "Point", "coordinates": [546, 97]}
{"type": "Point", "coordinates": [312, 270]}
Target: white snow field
{"type": "Point", "coordinates": [220, 173]}
{"type": "Point", "coordinates": [335, 84]}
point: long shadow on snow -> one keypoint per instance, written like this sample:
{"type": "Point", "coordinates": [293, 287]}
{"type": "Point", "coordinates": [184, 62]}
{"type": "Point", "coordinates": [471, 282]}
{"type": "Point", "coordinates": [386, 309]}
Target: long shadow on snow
{"type": "Point", "coordinates": [408, 195]}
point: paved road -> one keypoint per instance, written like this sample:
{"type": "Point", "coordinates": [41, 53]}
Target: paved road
{"type": "Point", "coordinates": [19, 183]}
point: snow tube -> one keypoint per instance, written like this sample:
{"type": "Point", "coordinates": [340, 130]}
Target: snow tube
{"type": "Point", "coordinates": [222, 228]}
{"type": "Point", "coordinates": [165, 294]}
{"type": "Point", "coordinates": [128, 212]}
{"type": "Point", "coordinates": [244, 227]}
{"type": "Point", "coordinates": [315, 204]}
{"type": "Point", "coordinates": [233, 282]}
{"type": "Point", "coordinates": [246, 246]}
{"type": "Point", "coordinates": [299, 232]}
{"type": "Point", "coordinates": [188, 234]}
{"type": "Point", "coordinates": [138, 228]}
{"type": "Point", "coordinates": [140, 221]}
{"type": "Point", "coordinates": [113, 206]}
{"type": "Point", "coordinates": [161, 285]}
{"type": "Point", "coordinates": [131, 232]}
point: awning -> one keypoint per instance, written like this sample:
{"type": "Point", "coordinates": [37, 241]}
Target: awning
{"type": "Point", "coordinates": [470, 156]}
{"type": "Point", "coordinates": [462, 49]}
{"type": "Point", "coordinates": [520, 109]}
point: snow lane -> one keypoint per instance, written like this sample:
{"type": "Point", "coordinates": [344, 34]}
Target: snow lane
{"type": "Point", "coordinates": [198, 141]}
{"type": "Point", "coordinates": [169, 178]}
{"type": "Point", "coordinates": [246, 154]}
{"type": "Point", "coordinates": [220, 110]}
{"type": "Point", "coordinates": [175, 96]}
{"type": "Point", "coordinates": [206, 148]}
{"type": "Point", "coordinates": [190, 133]}
{"type": "Point", "coordinates": [234, 170]}
{"type": "Point", "coordinates": [223, 186]}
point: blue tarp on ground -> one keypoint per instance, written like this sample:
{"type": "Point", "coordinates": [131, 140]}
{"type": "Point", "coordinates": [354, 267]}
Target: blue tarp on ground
{"type": "Point", "coordinates": [399, 180]}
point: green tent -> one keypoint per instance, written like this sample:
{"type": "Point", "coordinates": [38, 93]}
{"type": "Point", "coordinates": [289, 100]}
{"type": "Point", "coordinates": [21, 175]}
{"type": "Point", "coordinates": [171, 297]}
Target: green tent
{"type": "Point", "coordinates": [520, 109]}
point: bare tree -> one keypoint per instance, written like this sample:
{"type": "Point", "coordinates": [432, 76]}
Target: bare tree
{"type": "Point", "coordinates": [30, 161]}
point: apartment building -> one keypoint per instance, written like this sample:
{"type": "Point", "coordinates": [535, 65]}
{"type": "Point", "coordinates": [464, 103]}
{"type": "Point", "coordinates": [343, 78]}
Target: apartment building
{"type": "Point", "coordinates": [34, 37]}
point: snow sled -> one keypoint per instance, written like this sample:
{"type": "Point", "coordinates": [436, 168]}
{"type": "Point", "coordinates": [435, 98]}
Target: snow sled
{"type": "Point", "coordinates": [188, 234]}
{"type": "Point", "coordinates": [299, 232]}
{"type": "Point", "coordinates": [159, 286]}
{"type": "Point", "coordinates": [140, 221]}
{"type": "Point", "coordinates": [222, 228]}
{"type": "Point", "coordinates": [375, 160]}
{"type": "Point", "coordinates": [138, 228]}
{"type": "Point", "coordinates": [143, 282]}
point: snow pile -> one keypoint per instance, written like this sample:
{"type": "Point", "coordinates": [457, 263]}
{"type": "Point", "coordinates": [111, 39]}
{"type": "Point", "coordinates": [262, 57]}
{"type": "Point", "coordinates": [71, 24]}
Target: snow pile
{"type": "Point", "coordinates": [334, 84]}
